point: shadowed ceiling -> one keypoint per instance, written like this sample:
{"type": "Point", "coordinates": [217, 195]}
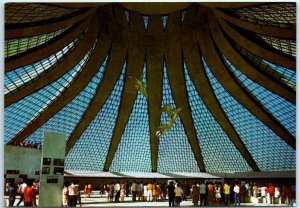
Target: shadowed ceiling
{"type": "Point", "coordinates": [230, 67]}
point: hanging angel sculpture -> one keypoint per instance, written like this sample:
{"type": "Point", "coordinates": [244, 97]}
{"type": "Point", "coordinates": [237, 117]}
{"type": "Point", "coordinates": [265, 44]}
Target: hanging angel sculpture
{"type": "Point", "coordinates": [141, 86]}
{"type": "Point", "coordinates": [173, 114]}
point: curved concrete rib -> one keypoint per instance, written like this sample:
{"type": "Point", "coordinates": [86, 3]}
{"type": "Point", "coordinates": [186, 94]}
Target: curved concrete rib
{"type": "Point", "coordinates": [88, 72]}
{"type": "Point", "coordinates": [247, 69]}
{"type": "Point", "coordinates": [59, 68]}
{"type": "Point", "coordinates": [43, 28]}
{"type": "Point", "coordinates": [205, 91]}
{"type": "Point", "coordinates": [174, 65]}
{"type": "Point", "coordinates": [112, 73]}
{"type": "Point", "coordinates": [78, 5]}
{"type": "Point", "coordinates": [229, 5]}
{"type": "Point", "coordinates": [135, 62]}
{"type": "Point", "coordinates": [259, 50]}
{"type": "Point", "coordinates": [272, 31]}
{"type": "Point", "coordinates": [45, 50]}
{"type": "Point", "coordinates": [161, 8]}
{"type": "Point", "coordinates": [198, 76]}
{"type": "Point", "coordinates": [232, 87]}
{"type": "Point", "coordinates": [269, 71]}
{"type": "Point", "coordinates": [155, 64]}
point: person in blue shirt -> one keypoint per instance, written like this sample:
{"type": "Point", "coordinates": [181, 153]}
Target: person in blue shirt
{"type": "Point", "coordinates": [12, 193]}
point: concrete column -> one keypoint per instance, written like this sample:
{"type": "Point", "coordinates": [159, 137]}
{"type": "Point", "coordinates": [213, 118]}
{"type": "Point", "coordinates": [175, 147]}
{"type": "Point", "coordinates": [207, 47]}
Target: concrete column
{"type": "Point", "coordinates": [52, 169]}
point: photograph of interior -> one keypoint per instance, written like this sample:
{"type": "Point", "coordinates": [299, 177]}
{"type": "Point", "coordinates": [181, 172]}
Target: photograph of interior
{"type": "Point", "coordinates": [110, 104]}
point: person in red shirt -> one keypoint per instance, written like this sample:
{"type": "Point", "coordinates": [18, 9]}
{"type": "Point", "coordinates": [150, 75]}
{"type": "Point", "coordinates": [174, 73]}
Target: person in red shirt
{"type": "Point", "coordinates": [211, 195]}
{"type": "Point", "coordinates": [28, 195]}
{"type": "Point", "coordinates": [271, 191]}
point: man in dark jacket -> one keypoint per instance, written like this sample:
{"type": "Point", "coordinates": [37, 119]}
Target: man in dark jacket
{"type": "Point", "coordinates": [171, 194]}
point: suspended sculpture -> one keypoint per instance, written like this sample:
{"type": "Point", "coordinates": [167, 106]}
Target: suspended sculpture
{"type": "Point", "coordinates": [173, 114]}
{"type": "Point", "coordinates": [141, 86]}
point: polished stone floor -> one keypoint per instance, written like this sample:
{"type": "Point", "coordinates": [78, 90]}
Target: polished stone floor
{"type": "Point", "coordinates": [97, 200]}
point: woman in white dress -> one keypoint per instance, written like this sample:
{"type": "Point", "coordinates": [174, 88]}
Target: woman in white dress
{"type": "Point", "coordinates": [145, 192]}
{"type": "Point", "coordinates": [122, 191]}
{"type": "Point", "coordinates": [65, 195]}
{"type": "Point", "coordinates": [218, 193]}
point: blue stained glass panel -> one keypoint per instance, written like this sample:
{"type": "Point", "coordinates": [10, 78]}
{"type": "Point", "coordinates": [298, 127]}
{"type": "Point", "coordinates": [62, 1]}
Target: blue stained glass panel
{"type": "Point", "coordinates": [174, 152]}
{"type": "Point", "coordinates": [268, 150]}
{"type": "Point", "coordinates": [290, 76]}
{"type": "Point", "coordinates": [17, 78]}
{"type": "Point", "coordinates": [282, 110]}
{"type": "Point", "coordinates": [67, 118]}
{"type": "Point", "coordinates": [219, 153]}
{"type": "Point", "coordinates": [133, 153]}
{"type": "Point", "coordinates": [90, 150]}
{"type": "Point", "coordinates": [19, 114]}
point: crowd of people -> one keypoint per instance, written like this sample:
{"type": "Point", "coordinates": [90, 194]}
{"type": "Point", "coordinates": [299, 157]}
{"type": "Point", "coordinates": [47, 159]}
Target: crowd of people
{"type": "Point", "coordinates": [203, 194]}
{"type": "Point", "coordinates": [71, 194]}
{"type": "Point", "coordinates": [27, 191]}
{"type": "Point", "coordinates": [35, 145]}
{"type": "Point", "coordinates": [139, 191]}
{"type": "Point", "coordinates": [200, 193]}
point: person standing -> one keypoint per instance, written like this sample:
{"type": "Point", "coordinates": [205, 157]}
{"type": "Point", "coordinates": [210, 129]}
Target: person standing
{"type": "Point", "coordinates": [163, 191]}
{"type": "Point", "coordinates": [140, 191]}
{"type": "Point", "coordinates": [178, 194]}
{"type": "Point", "coordinates": [85, 190]}
{"type": "Point", "coordinates": [171, 194]}
{"type": "Point", "coordinates": [145, 193]}
{"type": "Point", "coordinates": [263, 191]}
{"type": "Point", "coordinates": [289, 194]}
{"type": "Point", "coordinates": [255, 190]}
{"type": "Point", "coordinates": [127, 188]}
{"type": "Point", "coordinates": [122, 191]}
{"type": "Point", "coordinates": [28, 195]}
{"type": "Point", "coordinates": [195, 194]}
{"type": "Point", "coordinates": [150, 189]}
{"type": "Point", "coordinates": [21, 189]}
{"type": "Point", "coordinates": [185, 188]}
{"type": "Point", "coordinates": [226, 191]}
{"type": "Point", "coordinates": [134, 190]}
{"type": "Point", "coordinates": [35, 190]}
{"type": "Point", "coordinates": [72, 195]}
{"type": "Point", "coordinates": [277, 192]}
{"type": "Point", "coordinates": [89, 190]}
{"type": "Point", "coordinates": [218, 193]}
{"type": "Point", "coordinates": [102, 188]}
{"type": "Point", "coordinates": [210, 189]}
{"type": "Point", "coordinates": [242, 194]}
{"type": "Point", "coordinates": [111, 191]}
{"type": "Point", "coordinates": [11, 193]}
{"type": "Point", "coordinates": [203, 199]}
{"type": "Point", "coordinates": [271, 191]}
{"type": "Point", "coordinates": [117, 189]}
{"type": "Point", "coordinates": [65, 195]}
{"type": "Point", "coordinates": [159, 193]}
{"type": "Point", "coordinates": [154, 193]}
{"type": "Point", "coordinates": [236, 192]}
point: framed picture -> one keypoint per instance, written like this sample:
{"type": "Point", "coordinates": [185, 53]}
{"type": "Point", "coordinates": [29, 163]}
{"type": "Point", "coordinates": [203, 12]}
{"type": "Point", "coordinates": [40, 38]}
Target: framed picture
{"type": "Point", "coordinates": [46, 170]}
{"type": "Point", "coordinates": [12, 172]}
{"type": "Point", "coordinates": [52, 180]}
{"type": "Point", "coordinates": [46, 161]}
{"type": "Point", "coordinates": [58, 171]}
{"type": "Point", "coordinates": [58, 162]}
